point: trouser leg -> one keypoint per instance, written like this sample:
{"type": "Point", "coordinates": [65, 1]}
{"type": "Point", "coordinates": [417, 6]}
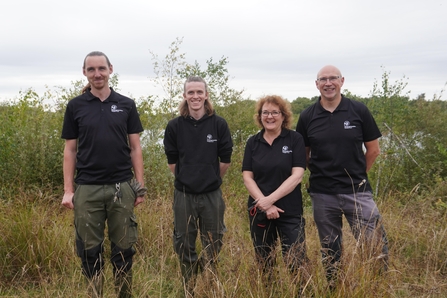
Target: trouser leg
{"type": "Point", "coordinates": [328, 219]}
{"type": "Point", "coordinates": [293, 245]}
{"type": "Point", "coordinates": [184, 237]}
{"type": "Point", "coordinates": [264, 235]}
{"type": "Point", "coordinates": [366, 224]}
{"type": "Point", "coordinates": [293, 241]}
{"type": "Point", "coordinates": [123, 231]}
{"type": "Point", "coordinates": [89, 221]}
{"type": "Point", "coordinates": [212, 227]}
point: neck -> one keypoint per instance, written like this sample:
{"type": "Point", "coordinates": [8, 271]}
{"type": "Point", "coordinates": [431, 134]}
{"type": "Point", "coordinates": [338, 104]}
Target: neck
{"type": "Point", "coordinates": [330, 104]}
{"type": "Point", "coordinates": [271, 135]}
{"type": "Point", "coordinates": [102, 94]}
{"type": "Point", "coordinates": [197, 114]}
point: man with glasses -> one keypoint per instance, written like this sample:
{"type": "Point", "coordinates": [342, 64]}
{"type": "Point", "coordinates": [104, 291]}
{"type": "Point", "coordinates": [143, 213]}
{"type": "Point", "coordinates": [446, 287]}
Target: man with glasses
{"type": "Point", "coordinates": [341, 139]}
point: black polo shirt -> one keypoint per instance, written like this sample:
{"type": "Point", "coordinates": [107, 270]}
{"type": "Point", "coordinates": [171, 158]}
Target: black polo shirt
{"type": "Point", "coordinates": [337, 161]}
{"type": "Point", "coordinates": [102, 130]}
{"type": "Point", "coordinates": [272, 165]}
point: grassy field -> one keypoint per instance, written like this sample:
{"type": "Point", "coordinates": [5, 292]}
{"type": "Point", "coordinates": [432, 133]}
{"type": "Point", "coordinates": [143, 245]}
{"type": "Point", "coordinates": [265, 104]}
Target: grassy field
{"type": "Point", "coordinates": [38, 257]}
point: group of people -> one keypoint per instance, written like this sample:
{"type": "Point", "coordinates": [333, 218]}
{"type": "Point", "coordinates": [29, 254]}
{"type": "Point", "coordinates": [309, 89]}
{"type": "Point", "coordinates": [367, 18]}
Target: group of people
{"type": "Point", "coordinates": [336, 139]}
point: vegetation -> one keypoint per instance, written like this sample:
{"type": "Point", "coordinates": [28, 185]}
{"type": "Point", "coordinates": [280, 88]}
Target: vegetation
{"type": "Point", "coordinates": [410, 181]}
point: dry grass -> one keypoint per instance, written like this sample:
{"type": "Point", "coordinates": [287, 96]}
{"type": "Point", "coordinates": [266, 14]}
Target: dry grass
{"type": "Point", "coordinates": [38, 258]}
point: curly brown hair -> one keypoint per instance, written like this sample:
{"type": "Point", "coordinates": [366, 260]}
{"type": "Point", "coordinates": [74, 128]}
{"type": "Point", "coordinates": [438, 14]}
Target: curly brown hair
{"type": "Point", "coordinates": [283, 105]}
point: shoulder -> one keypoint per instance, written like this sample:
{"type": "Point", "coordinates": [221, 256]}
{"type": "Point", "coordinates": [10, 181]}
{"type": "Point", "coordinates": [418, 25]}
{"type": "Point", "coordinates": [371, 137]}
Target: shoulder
{"type": "Point", "coordinates": [307, 112]}
{"type": "Point", "coordinates": [175, 121]}
{"type": "Point", "coordinates": [355, 104]}
{"type": "Point", "coordinates": [79, 100]}
{"type": "Point", "coordinates": [292, 134]}
{"type": "Point", "coordinates": [218, 118]}
{"type": "Point", "coordinates": [121, 98]}
{"type": "Point", "coordinates": [254, 138]}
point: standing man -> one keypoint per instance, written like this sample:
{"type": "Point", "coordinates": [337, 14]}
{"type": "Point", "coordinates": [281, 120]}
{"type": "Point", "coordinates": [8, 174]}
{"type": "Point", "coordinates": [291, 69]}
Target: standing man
{"type": "Point", "coordinates": [198, 147]}
{"type": "Point", "coordinates": [102, 144]}
{"type": "Point", "coordinates": [335, 129]}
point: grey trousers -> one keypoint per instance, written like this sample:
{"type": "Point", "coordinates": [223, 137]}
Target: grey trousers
{"type": "Point", "coordinates": [362, 215]}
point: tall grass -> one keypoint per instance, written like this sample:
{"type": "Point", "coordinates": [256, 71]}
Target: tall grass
{"type": "Point", "coordinates": [38, 259]}
{"type": "Point", "coordinates": [37, 255]}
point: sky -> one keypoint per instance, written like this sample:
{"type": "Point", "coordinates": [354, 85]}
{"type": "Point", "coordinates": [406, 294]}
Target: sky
{"type": "Point", "coordinates": [272, 47]}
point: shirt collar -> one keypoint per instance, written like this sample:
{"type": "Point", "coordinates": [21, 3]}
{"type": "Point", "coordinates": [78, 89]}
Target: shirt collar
{"type": "Point", "coordinates": [112, 97]}
{"type": "Point", "coordinates": [343, 105]}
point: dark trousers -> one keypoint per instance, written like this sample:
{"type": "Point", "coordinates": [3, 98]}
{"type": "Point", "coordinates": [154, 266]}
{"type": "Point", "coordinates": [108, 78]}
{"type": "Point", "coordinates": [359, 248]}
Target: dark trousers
{"type": "Point", "coordinates": [290, 230]}
{"type": "Point", "coordinates": [194, 214]}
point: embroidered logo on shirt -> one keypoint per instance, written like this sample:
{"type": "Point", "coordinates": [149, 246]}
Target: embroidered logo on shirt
{"type": "Point", "coordinates": [285, 150]}
{"type": "Point", "coordinates": [115, 109]}
{"type": "Point", "coordinates": [348, 125]}
{"type": "Point", "coordinates": [209, 139]}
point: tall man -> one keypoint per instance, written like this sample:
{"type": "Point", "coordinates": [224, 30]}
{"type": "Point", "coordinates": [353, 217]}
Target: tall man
{"type": "Point", "coordinates": [102, 144]}
{"type": "Point", "coordinates": [335, 129]}
{"type": "Point", "coordinates": [198, 147]}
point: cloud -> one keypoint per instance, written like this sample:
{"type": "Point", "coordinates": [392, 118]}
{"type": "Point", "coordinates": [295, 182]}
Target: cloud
{"type": "Point", "coordinates": [272, 46]}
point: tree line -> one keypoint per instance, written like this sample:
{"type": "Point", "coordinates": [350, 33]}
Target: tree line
{"type": "Point", "coordinates": [414, 141]}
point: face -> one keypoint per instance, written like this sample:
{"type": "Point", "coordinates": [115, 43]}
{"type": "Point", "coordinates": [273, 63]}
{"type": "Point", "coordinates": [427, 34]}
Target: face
{"type": "Point", "coordinates": [331, 83]}
{"type": "Point", "coordinates": [196, 95]}
{"type": "Point", "coordinates": [97, 71]}
{"type": "Point", "coordinates": [270, 121]}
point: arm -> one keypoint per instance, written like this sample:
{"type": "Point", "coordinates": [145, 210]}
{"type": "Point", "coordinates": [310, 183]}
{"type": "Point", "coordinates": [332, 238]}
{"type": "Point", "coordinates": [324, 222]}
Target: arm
{"type": "Point", "coordinates": [171, 167]}
{"type": "Point", "coordinates": [136, 156]}
{"type": "Point", "coordinates": [223, 168]}
{"type": "Point", "coordinates": [69, 167]}
{"type": "Point", "coordinates": [272, 212]}
{"type": "Point", "coordinates": [372, 151]}
{"type": "Point", "coordinates": [307, 156]}
{"type": "Point", "coordinates": [284, 189]}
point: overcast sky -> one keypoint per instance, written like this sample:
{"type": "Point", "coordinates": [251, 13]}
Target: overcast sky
{"type": "Point", "coordinates": [273, 47]}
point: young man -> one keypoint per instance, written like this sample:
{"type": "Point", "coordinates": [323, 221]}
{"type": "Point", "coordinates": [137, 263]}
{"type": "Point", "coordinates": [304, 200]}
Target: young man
{"type": "Point", "coordinates": [198, 147]}
{"type": "Point", "coordinates": [335, 129]}
{"type": "Point", "coordinates": [102, 144]}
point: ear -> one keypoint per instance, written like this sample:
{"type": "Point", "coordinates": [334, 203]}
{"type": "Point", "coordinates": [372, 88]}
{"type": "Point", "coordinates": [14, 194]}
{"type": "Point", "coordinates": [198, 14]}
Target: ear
{"type": "Point", "coordinates": [83, 71]}
{"type": "Point", "coordinates": [110, 69]}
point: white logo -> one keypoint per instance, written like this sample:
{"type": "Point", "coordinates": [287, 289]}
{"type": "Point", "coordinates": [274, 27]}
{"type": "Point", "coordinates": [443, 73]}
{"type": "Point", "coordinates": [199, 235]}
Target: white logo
{"type": "Point", "coordinates": [285, 150]}
{"type": "Point", "coordinates": [348, 125]}
{"type": "Point", "coordinates": [115, 109]}
{"type": "Point", "coordinates": [209, 139]}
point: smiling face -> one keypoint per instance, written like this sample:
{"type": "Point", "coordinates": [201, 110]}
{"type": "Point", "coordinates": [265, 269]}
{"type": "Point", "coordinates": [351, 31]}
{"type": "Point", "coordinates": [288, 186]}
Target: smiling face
{"type": "Point", "coordinates": [195, 95]}
{"type": "Point", "coordinates": [329, 82]}
{"type": "Point", "coordinates": [271, 117]}
{"type": "Point", "coordinates": [98, 71]}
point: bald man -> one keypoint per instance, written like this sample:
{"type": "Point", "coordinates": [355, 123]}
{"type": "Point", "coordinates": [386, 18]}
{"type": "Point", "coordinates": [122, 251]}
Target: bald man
{"type": "Point", "coordinates": [341, 139]}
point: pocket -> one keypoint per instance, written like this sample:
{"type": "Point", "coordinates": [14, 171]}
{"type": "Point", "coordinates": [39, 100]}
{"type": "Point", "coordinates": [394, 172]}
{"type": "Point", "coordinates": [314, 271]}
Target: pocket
{"type": "Point", "coordinates": [133, 229]}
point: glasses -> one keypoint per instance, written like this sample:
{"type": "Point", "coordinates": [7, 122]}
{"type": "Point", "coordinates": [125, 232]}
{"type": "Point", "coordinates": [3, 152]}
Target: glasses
{"type": "Point", "coordinates": [267, 113]}
{"type": "Point", "coordinates": [330, 79]}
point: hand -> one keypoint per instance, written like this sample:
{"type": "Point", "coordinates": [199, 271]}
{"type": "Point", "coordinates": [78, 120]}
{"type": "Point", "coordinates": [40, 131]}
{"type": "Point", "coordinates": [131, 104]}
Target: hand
{"type": "Point", "coordinates": [67, 200]}
{"type": "Point", "coordinates": [273, 212]}
{"type": "Point", "coordinates": [263, 203]}
{"type": "Point", "coordinates": [138, 201]}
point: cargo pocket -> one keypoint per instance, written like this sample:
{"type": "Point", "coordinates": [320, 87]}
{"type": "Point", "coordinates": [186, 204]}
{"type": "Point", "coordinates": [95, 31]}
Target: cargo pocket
{"type": "Point", "coordinates": [133, 230]}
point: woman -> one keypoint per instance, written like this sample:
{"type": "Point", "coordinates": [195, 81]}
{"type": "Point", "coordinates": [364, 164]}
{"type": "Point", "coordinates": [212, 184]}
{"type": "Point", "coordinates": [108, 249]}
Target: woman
{"type": "Point", "coordinates": [273, 167]}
